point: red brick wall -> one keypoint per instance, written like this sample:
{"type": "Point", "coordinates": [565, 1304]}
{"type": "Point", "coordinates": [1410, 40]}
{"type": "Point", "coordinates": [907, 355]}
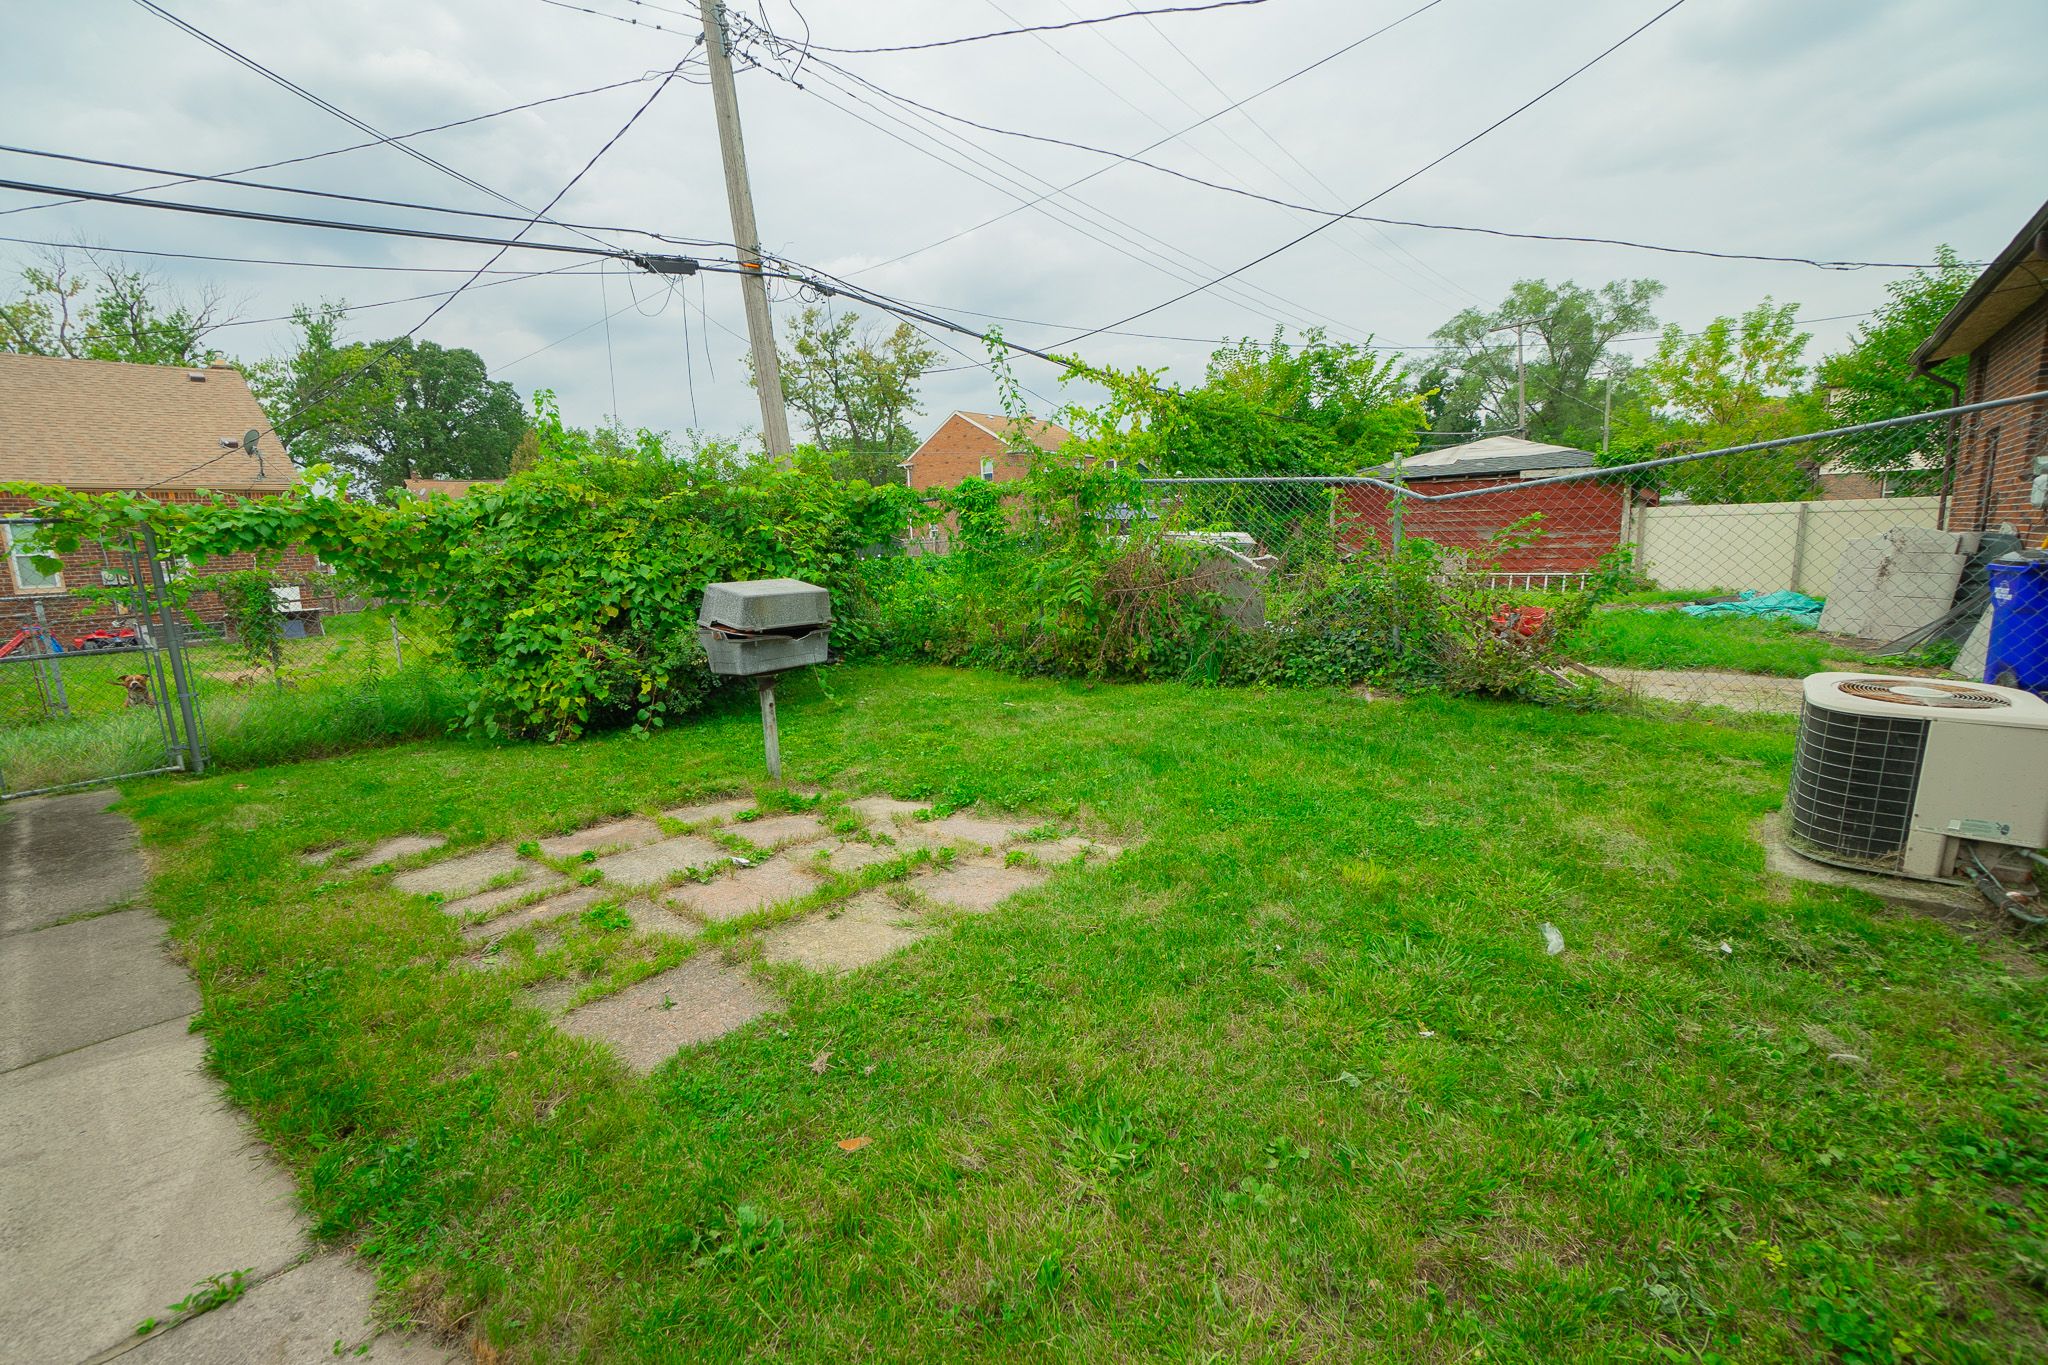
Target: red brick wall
{"type": "Point", "coordinates": [1581, 521]}
{"type": "Point", "coordinates": [93, 565]}
{"type": "Point", "coordinates": [1995, 451]}
{"type": "Point", "coordinates": [955, 452]}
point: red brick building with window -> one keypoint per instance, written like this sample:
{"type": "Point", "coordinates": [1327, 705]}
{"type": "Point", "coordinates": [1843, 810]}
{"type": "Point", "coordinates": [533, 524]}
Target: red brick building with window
{"type": "Point", "coordinates": [979, 445]}
{"type": "Point", "coordinates": [2001, 324]}
{"type": "Point", "coordinates": [98, 426]}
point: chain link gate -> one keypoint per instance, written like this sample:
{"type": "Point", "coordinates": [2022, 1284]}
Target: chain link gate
{"type": "Point", "coordinates": [109, 651]}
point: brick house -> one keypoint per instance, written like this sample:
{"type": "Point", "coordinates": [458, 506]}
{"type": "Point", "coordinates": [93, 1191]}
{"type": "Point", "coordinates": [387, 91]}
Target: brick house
{"type": "Point", "coordinates": [979, 445]}
{"type": "Point", "coordinates": [2001, 324]}
{"type": "Point", "coordinates": [1582, 520]}
{"type": "Point", "coordinates": [98, 426]}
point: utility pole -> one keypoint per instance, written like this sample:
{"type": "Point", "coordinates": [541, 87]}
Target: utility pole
{"type": "Point", "coordinates": [739, 197]}
{"type": "Point", "coordinates": [1521, 387]}
{"type": "Point", "coordinates": [1607, 411]}
{"type": "Point", "coordinates": [1521, 376]}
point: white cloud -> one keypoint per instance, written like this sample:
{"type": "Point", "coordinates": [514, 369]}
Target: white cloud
{"type": "Point", "coordinates": [1836, 128]}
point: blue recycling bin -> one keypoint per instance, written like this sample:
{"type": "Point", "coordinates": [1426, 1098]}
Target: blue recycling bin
{"type": "Point", "coordinates": [2019, 623]}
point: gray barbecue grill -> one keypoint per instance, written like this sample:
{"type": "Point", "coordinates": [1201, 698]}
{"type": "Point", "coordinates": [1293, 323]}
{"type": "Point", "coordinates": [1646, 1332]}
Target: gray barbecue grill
{"type": "Point", "coordinates": [760, 629]}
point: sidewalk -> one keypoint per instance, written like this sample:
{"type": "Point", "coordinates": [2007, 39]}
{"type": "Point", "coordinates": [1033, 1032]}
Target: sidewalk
{"type": "Point", "coordinates": [125, 1178]}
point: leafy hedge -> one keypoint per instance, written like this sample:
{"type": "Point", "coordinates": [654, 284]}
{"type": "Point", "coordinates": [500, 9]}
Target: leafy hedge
{"type": "Point", "coordinates": [570, 592]}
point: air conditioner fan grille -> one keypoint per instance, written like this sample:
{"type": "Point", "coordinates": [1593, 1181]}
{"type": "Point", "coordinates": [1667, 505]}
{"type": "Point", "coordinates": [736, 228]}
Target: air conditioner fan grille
{"type": "Point", "coordinates": [1923, 692]}
{"type": "Point", "coordinates": [1854, 779]}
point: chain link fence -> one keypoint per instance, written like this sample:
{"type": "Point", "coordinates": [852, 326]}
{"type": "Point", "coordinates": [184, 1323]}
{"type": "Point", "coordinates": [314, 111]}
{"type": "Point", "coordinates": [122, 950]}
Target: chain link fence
{"type": "Point", "coordinates": [1723, 578]}
{"type": "Point", "coordinates": [123, 662]}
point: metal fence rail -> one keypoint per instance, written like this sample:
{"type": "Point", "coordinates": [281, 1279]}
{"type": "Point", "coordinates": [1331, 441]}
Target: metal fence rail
{"type": "Point", "coordinates": [1723, 576]}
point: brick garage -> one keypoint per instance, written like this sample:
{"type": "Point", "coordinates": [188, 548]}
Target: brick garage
{"type": "Point", "coordinates": [2001, 324]}
{"type": "Point", "coordinates": [1581, 520]}
{"type": "Point", "coordinates": [96, 427]}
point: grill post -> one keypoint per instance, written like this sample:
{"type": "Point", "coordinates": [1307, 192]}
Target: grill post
{"type": "Point", "coordinates": [773, 741]}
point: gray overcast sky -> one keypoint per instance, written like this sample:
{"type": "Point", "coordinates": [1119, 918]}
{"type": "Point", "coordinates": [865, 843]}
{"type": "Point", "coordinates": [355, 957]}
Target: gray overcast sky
{"type": "Point", "coordinates": [1831, 128]}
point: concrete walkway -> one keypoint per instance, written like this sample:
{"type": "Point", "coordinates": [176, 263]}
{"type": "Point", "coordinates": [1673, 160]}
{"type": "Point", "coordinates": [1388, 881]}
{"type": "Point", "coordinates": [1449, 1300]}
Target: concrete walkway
{"type": "Point", "coordinates": [125, 1177]}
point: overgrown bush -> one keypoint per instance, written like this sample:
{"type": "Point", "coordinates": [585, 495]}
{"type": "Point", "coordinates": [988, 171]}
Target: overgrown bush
{"type": "Point", "coordinates": [568, 595]}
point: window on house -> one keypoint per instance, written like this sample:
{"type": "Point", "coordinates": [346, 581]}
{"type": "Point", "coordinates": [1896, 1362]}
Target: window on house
{"type": "Point", "coordinates": [1115, 465]}
{"type": "Point", "coordinates": [988, 471]}
{"type": "Point", "coordinates": [19, 538]}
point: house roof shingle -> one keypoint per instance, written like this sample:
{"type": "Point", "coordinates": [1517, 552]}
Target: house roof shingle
{"type": "Point", "coordinates": [2009, 286]}
{"type": "Point", "coordinates": [1486, 456]}
{"type": "Point", "coordinates": [1044, 435]}
{"type": "Point", "coordinates": [99, 424]}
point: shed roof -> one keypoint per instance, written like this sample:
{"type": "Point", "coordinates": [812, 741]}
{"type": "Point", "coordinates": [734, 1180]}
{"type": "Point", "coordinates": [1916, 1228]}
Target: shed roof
{"type": "Point", "coordinates": [101, 424]}
{"type": "Point", "coordinates": [1488, 455]}
{"type": "Point", "coordinates": [2014, 282]}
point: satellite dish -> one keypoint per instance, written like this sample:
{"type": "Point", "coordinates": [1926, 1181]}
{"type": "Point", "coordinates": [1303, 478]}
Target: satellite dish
{"type": "Point", "coordinates": [249, 440]}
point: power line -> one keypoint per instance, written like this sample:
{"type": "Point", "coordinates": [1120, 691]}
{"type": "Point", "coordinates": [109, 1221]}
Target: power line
{"type": "Point", "coordinates": [1033, 28]}
{"type": "Point", "coordinates": [623, 19]}
{"type": "Point", "coordinates": [1159, 257]}
{"type": "Point", "coordinates": [195, 177]}
{"type": "Point", "coordinates": [383, 351]}
{"type": "Point", "coordinates": [295, 220]}
{"type": "Point", "coordinates": [1136, 159]}
{"type": "Point", "coordinates": [508, 277]}
{"type": "Point", "coordinates": [361, 146]}
{"type": "Point", "coordinates": [90, 247]}
{"type": "Point", "coordinates": [1293, 242]}
{"type": "Point", "coordinates": [328, 106]}
{"type": "Point", "coordinates": [1157, 142]}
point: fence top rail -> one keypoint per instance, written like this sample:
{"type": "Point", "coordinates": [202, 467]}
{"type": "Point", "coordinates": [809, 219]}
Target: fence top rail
{"type": "Point", "coordinates": [1605, 471]}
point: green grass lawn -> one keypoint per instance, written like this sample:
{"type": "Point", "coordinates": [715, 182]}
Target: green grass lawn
{"type": "Point", "coordinates": [1294, 1079]}
{"type": "Point", "coordinates": [1735, 644]}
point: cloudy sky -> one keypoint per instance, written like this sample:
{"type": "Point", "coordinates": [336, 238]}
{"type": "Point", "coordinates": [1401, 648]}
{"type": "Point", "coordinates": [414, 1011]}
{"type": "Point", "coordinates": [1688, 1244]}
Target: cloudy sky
{"type": "Point", "coordinates": [1839, 129]}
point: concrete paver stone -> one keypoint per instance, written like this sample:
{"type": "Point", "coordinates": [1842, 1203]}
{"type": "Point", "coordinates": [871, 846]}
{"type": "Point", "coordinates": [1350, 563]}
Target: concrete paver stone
{"type": "Point", "coordinates": [389, 850]}
{"type": "Point", "coordinates": [977, 887]}
{"type": "Point", "coordinates": [864, 930]}
{"type": "Point", "coordinates": [700, 812]}
{"type": "Point", "coordinates": [975, 830]}
{"type": "Point", "coordinates": [648, 1022]}
{"type": "Point", "coordinates": [886, 810]}
{"type": "Point", "coordinates": [651, 864]}
{"type": "Point", "coordinates": [614, 834]}
{"type": "Point", "coordinates": [554, 907]}
{"type": "Point", "coordinates": [853, 857]}
{"type": "Point", "coordinates": [80, 983]}
{"type": "Point", "coordinates": [779, 831]}
{"type": "Point", "coordinates": [1073, 848]}
{"type": "Point", "coordinates": [744, 892]}
{"type": "Point", "coordinates": [652, 917]}
{"type": "Point", "coordinates": [539, 882]}
{"type": "Point", "coordinates": [463, 875]}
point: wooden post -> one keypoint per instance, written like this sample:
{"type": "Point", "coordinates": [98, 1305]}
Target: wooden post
{"type": "Point", "coordinates": [772, 739]}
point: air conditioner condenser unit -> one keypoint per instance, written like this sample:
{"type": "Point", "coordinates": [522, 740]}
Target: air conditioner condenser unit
{"type": "Point", "coordinates": [1922, 777]}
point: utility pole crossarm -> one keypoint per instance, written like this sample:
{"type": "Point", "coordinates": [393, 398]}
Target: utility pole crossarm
{"type": "Point", "coordinates": [739, 197]}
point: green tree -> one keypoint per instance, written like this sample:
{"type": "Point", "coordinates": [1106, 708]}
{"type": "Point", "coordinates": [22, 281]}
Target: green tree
{"type": "Point", "coordinates": [389, 411]}
{"type": "Point", "coordinates": [106, 312]}
{"type": "Point", "coordinates": [1875, 379]}
{"type": "Point", "coordinates": [1735, 381]}
{"type": "Point", "coordinates": [1566, 334]}
{"type": "Point", "coordinates": [1312, 407]}
{"type": "Point", "coordinates": [856, 389]}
